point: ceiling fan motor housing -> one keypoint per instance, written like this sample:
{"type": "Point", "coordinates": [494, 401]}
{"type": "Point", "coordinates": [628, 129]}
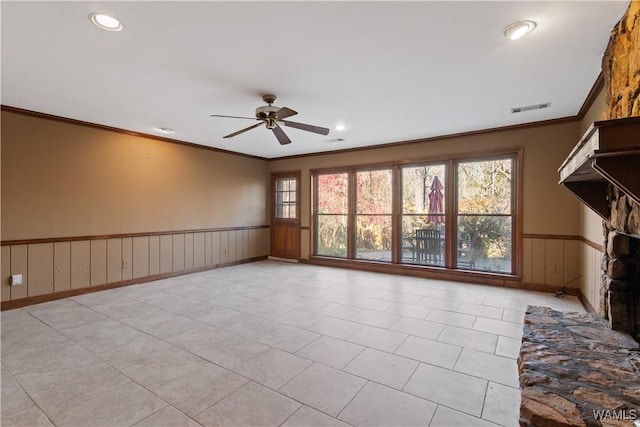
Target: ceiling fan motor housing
{"type": "Point", "coordinates": [267, 112]}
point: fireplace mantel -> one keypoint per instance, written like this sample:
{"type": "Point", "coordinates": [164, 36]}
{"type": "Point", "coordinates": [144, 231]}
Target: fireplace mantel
{"type": "Point", "coordinates": [609, 152]}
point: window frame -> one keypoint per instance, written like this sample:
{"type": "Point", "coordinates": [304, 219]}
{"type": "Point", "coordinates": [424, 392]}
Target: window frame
{"type": "Point", "coordinates": [450, 162]}
{"type": "Point", "coordinates": [514, 205]}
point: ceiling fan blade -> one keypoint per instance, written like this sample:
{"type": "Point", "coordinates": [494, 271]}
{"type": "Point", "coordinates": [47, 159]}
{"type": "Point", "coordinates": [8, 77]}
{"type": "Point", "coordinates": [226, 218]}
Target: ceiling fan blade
{"type": "Point", "coordinates": [231, 135]}
{"type": "Point", "coordinates": [285, 112]}
{"type": "Point", "coordinates": [233, 117]}
{"type": "Point", "coordinates": [308, 128]}
{"type": "Point", "coordinates": [283, 139]}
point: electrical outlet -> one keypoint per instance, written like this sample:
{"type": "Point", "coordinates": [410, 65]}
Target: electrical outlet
{"type": "Point", "coordinates": [552, 269]}
{"type": "Point", "coordinates": [125, 264]}
{"type": "Point", "coordinates": [16, 279]}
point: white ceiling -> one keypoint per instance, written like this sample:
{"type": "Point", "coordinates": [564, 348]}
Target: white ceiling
{"type": "Point", "coordinates": [390, 71]}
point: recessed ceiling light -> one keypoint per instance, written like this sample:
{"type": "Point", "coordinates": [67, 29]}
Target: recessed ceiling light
{"type": "Point", "coordinates": [518, 29]}
{"type": "Point", "coordinates": [106, 22]}
{"type": "Point", "coordinates": [165, 130]}
{"type": "Point", "coordinates": [340, 127]}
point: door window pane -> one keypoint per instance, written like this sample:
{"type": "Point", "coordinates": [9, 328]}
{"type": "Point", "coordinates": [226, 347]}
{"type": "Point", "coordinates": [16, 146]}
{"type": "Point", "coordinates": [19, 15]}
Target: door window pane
{"type": "Point", "coordinates": [285, 203]}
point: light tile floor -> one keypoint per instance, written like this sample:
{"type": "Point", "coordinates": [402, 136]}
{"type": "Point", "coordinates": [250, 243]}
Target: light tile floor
{"type": "Point", "coordinates": [270, 343]}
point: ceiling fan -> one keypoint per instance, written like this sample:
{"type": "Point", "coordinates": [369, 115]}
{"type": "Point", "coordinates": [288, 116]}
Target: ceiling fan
{"type": "Point", "coordinates": [272, 117]}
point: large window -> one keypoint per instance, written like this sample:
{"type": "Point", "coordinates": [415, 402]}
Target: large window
{"type": "Point", "coordinates": [484, 214]}
{"type": "Point", "coordinates": [455, 214]}
{"type": "Point", "coordinates": [373, 214]}
{"type": "Point", "coordinates": [423, 214]}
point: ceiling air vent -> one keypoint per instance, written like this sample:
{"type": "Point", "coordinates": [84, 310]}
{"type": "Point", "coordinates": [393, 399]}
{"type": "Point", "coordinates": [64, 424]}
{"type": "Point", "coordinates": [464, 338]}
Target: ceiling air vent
{"type": "Point", "coordinates": [530, 107]}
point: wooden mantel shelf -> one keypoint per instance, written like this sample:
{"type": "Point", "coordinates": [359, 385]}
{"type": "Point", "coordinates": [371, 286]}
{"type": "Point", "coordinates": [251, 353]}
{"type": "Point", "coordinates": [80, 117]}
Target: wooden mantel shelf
{"type": "Point", "coordinates": [609, 152]}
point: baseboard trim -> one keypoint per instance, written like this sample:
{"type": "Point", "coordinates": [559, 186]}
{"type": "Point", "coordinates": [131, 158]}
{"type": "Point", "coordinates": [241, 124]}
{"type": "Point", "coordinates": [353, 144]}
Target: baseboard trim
{"type": "Point", "coordinates": [23, 302]}
{"type": "Point", "coordinates": [585, 303]}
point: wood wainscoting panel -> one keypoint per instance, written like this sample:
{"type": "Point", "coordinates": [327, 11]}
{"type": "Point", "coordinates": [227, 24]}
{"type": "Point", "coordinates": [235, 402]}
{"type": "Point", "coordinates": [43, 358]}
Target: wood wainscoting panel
{"type": "Point", "coordinates": [154, 255]}
{"type": "Point", "coordinates": [253, 243]}
{"type": "Point", "coordinates": [572, 262]}
{"type": "Point", "coordinates": [199, 247]}
{"type": "Point", "coordinates": [80, 264]}
{"type": "Point", "coordinates": [527, 260]}
{"type": "Point", "coordinates": [65, 266]}
{"type": "Point", "coordinates": [127, 258]}
{"type": "Point", "coordinates": [166, 253]}
{"type": "Point", "coordinates": [140, 263]}
{"type": "Point", "coordinates": [233, 246]}
{"type": "Point", "coordinates": [241, 244]}
{"type": "Point", "coordinates": [114, 260]}
{"type": "Point", "coordinates": [538, 258]}
{"type": "Point", "coordinates": [62, 266]}
{"type": "Point", "coordinates": [224, 247]}
{"type": "Point", "coordinates": [98, 262]}
{"type": "Point", "coordinates": [178, 252]}
{"type": "Point", "coordinates": [188, 251]}
{"type": "Point", "coordinates": [208, 248]}
{"type": "Point", "coordinates": [5, 273]}
{"type": "Point", "coordinates": [40, 269]}
{"type": "Point", "coordinates": [216, 244]}
{"type": "Point", "coordinates": [19, 264]}
{"type": "Point", "coordinates": [554, 262]}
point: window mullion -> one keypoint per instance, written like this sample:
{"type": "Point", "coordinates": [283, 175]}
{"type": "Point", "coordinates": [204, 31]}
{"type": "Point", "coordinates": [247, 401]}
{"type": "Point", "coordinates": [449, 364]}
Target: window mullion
{"type": "Point", "coordinates": [351, 216]}
{"type": "Point", "coordinates": [396, 211]}
{"type": "Point", "coordinates": [451, 212]}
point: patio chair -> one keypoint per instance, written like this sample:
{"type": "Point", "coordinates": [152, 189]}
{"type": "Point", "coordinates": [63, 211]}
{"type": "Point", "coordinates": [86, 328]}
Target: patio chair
{"type": "Point", "coordinates": [428, 246]}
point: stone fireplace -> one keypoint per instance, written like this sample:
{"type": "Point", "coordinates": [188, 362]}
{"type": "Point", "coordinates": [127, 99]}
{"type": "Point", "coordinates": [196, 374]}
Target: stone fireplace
{"type": "Point", "coordinates": [620, 291]}
{"type": "Point", "coordinates": [621, 260]}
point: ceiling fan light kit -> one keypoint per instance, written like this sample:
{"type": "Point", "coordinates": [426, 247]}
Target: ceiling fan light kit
{"type": "Point", "coordinates": [272, 117]}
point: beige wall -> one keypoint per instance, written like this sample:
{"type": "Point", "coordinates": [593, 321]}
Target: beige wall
{"type": "Point", "coordinates": [595, 113]}
{"type": "Point", "coordinates": [591, 223]}
{"type": "Point", "coordinates": [548, 209]}
{"type": "Point", "coordinates": [61, 180]}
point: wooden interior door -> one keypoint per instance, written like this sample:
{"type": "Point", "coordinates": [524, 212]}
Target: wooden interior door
{"type": "Point", "coordinates": [285, 215]}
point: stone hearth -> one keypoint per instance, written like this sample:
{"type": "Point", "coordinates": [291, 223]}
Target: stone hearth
{"type": "Point", "coordinates": [576, 371]}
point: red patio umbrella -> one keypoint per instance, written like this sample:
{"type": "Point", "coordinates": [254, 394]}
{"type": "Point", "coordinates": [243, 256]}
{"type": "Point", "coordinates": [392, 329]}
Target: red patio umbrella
{"type": "Point", "coordinates": [436, 202]}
